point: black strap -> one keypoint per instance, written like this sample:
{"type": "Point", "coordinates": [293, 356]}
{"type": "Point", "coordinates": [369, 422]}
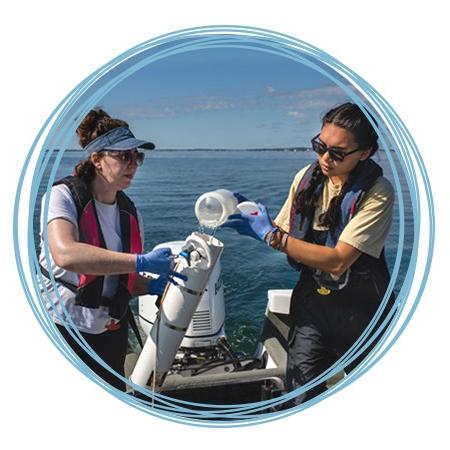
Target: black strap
{"type": "Point", "coordinates": [133, 324]}
{"type": "Point", "coordinates": [68, 285]}
{"type": "Point", "coordinates": [105, 301]}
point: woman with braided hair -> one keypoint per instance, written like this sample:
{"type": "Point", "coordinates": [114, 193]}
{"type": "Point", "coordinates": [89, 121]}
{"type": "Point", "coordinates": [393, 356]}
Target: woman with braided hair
{"type": "Point", "coordinates": [332, 227]}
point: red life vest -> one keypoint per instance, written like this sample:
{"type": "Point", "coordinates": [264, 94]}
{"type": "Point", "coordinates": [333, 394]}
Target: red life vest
{"type": "Point", "coordinates": [90, 287]}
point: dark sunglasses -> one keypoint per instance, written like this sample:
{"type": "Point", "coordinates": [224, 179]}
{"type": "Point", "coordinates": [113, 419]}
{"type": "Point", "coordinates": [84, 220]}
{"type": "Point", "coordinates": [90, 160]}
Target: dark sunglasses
{"type": "Point", "coordinates": [336, 154]}
{"type": "Point", "coordinates": [127, 156]}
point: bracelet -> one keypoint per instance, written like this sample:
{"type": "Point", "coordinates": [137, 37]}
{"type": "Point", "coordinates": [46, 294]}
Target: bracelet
{"type": "Point", "coordinates": [277, 239]}
{"type": "Point", "coordinates": [282, 241]}
{"type": "Point", "coordinates": [268, 238]}
{"type": "Point", "coordinates": [285, 243]}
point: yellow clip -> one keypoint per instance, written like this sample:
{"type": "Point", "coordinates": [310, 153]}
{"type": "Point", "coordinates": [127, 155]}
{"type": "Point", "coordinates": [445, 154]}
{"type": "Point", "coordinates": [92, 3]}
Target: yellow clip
{"type": "Point", "coordinates": [323, 290]}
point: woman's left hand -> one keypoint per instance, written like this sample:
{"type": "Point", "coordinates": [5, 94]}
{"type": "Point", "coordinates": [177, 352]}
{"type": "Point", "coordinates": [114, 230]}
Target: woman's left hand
{"type": "Point", "coordinates": [156, 286]}
{"type": "Point", "coordinates": [255, 225]}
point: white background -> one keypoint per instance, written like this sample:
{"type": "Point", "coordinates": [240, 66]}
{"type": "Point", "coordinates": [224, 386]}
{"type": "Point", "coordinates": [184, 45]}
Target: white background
{"type": "Point", "coordinates": [49, 47]}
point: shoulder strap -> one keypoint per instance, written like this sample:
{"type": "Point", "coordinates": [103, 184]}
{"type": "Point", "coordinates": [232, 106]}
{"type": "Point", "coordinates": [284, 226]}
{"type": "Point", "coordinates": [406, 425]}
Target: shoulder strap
{"type": "Point", "coordinates": [129, 223]}
{"type": "Point", "coordinates": [79, 191]}
{"type": "Point", "coordinates": [131, 233]}
{"type": "Point", "coordinates": [68, 285]}
{"type": "Point", "coordinates": [299, 223]}
{"type": "Point", "coordinates": [369, 171]}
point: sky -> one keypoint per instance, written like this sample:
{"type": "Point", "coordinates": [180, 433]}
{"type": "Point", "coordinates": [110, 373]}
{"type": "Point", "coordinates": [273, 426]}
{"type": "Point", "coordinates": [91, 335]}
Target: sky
{"type": "Point", "coordinates": [227, 98]}
{"type": "Point", "coordinates": [57, 49]}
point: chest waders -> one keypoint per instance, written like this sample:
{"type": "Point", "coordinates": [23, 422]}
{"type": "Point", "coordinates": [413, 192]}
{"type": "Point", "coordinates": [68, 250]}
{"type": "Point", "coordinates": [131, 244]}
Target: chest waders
{"type": "Point", "coordinates": [328, 315]}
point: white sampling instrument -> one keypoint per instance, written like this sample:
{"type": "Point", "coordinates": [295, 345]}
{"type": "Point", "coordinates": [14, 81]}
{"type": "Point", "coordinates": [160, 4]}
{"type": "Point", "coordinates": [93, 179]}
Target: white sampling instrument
{"type": "Point", "coordinates": [178, 305]}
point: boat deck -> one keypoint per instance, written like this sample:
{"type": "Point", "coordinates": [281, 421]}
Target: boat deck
{"type": "Point", "coordinates": [225, 384]}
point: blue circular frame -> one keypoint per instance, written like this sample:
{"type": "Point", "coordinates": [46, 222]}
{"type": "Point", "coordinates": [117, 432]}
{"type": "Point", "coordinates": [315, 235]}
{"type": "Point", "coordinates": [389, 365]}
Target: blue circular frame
{"type": "Point", "coordinates": [393, 134]}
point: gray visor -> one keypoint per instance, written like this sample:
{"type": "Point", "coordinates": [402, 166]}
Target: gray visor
{"type": "Point", "coordinates": [119, 139]}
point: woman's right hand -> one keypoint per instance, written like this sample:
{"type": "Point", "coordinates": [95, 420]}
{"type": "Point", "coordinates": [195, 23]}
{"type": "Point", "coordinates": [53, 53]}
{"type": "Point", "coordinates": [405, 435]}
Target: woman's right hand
{"type": "Point", "coordinates": [159, 261]}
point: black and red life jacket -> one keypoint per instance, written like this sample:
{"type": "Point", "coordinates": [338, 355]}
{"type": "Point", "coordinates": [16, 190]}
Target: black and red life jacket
{"type": "Point", "coordinates": [90, 287]}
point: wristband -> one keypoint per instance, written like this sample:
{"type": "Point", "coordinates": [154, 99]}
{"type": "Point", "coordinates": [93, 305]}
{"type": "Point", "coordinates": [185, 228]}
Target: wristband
{"type": "Point", "coordinates": [269, 237]}
{"type": "Point", "coordinates": [283, 241]}
{"type": "Point", "coordinates": [277, 239]}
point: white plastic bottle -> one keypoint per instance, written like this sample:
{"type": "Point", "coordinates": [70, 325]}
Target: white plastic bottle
{"type": "Point", "coordinates": [213, 208]}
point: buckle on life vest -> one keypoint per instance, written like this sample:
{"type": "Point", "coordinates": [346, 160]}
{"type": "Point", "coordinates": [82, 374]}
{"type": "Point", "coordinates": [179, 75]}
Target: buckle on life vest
{"type": "Point", "coordinates": [112, 326]}
{"type": "Point", "coordinates": [323, 290]}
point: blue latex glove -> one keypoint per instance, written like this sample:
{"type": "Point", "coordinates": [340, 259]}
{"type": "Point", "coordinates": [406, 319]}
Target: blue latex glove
{"type": "Point", "coordinates": [156, 286]}
{"type": "Point", "coordinates": [253, 225]}
{"type": "Point", "coordinates": [240, 198]}
{"type": "Point", "coordinates": [159, 261]}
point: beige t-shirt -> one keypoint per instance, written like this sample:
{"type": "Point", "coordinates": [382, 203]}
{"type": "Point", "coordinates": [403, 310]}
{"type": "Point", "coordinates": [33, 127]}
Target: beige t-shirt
{"type": "Point", "coordinates": [368, 228]}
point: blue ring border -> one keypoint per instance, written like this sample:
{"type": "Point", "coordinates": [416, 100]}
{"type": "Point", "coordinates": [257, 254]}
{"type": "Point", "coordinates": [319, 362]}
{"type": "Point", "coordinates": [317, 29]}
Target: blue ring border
{"type": "Point", "coordinates": [271, 36]}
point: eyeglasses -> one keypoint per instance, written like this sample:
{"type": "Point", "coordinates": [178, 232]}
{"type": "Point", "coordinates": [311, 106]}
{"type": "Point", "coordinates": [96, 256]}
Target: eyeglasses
{"type": "Point", "coordinates": [336, 154]}
{"type": "Point", "coordinates": [127, 156]}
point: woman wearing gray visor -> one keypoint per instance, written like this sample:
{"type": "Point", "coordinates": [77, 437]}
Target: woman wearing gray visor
{"type": "Point", "coordinates": [95, 238]}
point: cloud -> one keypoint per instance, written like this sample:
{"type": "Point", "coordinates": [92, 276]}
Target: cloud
{"type": "Point", "coordinates": [149, 113]}
{"type": "Point", "coordinates": [272, 126]}
{"type": "Point", "coordinates": [297, 104]}
{"type": "Point", "coordinates": [169, 107]}
{"type": "Point", "coordinates": [312, 102]}
{"type": "Point", "coordinates": [311, 98]}
{"type": "Point", "coordinates": [212, 104]}
{"type": "Point", "coordinates": [296, 114]}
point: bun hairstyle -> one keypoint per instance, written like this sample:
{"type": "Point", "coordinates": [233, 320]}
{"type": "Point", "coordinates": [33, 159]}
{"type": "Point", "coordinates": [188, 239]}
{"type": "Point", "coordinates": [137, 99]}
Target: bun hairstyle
{"type": "Point", "coordinates": [95, 123]}
{"type": "Point", "coordinates": [350, 117]}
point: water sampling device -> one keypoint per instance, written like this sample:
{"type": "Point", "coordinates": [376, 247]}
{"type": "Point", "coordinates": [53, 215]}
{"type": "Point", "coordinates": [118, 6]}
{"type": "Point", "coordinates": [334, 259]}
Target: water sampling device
{"type": "Point", "coordinates": [201, 253]}
{"type": "Point", "coordinates": [186, 353]}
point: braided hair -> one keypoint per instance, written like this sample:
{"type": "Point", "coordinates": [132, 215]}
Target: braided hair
{"type": "Point", "coordinates": [95, 123]}
{"type": "Point", "coordinates": [350, 117]}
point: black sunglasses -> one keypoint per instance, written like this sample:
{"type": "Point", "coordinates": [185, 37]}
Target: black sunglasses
{"type": "Point", "coordinates": [336, 154]}
{"type": "Point", "coordinates": [127, 156]}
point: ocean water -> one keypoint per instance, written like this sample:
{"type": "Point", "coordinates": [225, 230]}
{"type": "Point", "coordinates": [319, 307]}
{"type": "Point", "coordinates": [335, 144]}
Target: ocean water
{"type": "Point", "coordinates": [166, 187]}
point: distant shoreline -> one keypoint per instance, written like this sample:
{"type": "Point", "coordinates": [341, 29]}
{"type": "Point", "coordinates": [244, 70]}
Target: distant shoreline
{"type": "Point", "coordinates": [280, 149]}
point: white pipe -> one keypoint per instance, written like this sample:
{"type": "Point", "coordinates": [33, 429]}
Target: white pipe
{"type": "Point", "coordinates": [178, 305]}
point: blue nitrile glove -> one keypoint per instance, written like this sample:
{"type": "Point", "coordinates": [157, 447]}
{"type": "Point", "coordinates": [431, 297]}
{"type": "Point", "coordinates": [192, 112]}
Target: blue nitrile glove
{"type": "Point", "coordinates": [159, 261]}
{"type": "Point", "coordinates": [254, 225]}
{"type": "Point", "coordinates": [240, 198]}
{"type": "Point", "coordinates": [156, 286]}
